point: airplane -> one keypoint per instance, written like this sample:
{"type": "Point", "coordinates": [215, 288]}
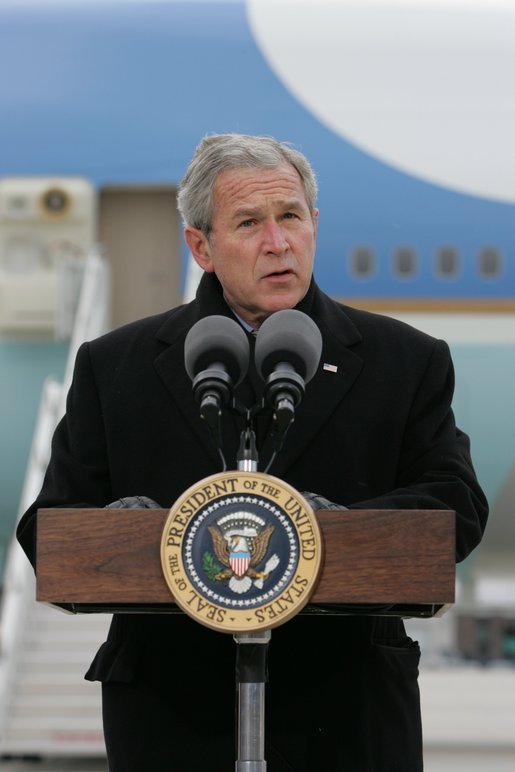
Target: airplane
{"type": "Point", "coordinates": [404, 107]}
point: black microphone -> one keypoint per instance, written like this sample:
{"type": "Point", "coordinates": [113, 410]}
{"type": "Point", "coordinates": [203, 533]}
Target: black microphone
{"type": "Point", "coordinates": [287, 354]}
{"type": "Point", "coordinates": [216, 358]}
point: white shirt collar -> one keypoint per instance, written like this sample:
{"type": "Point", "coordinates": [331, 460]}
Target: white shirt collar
{"type": "Point", "coordinates": [246, 326]}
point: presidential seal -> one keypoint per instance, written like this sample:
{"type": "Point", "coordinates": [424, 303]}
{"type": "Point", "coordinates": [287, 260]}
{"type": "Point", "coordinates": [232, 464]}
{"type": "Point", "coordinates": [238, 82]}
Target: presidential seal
{"type": "Point", "coordinates": [241, 552]}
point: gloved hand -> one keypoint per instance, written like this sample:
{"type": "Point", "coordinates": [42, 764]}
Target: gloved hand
{"type": "Point", "coordinates": [134, 502]}
{"type": "Point", "coordinates": [320, 502]}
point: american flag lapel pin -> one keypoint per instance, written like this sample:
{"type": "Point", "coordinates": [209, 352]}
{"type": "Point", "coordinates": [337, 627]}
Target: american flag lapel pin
{"type": "Point", "coordinates": [330, 368]}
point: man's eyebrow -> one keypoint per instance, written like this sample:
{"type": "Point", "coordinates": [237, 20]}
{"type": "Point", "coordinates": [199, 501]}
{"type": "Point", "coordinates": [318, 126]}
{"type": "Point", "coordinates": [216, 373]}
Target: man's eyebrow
{"type": "Point", "coordinates": [246, 212]}
{"type": "Point", "coordinates": [293, 203]}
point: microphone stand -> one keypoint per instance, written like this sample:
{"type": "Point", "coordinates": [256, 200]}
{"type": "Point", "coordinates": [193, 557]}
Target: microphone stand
{"type": "Point", "coordinates": [251, 669]}
{"type": "Point", "coordinates": [251, 657]}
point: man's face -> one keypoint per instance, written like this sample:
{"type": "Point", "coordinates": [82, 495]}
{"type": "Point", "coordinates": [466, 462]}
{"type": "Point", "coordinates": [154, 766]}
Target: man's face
{"type": "Point", "coordinates": [262, 242]}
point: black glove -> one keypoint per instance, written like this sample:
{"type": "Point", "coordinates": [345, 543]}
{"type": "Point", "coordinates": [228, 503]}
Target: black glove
{"type": "Point", "coordinates": [134, 502]}
{"type": "Point", "coordinates": [319, 502]}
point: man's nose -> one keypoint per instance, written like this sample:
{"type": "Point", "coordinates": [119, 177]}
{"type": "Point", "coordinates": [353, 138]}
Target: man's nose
{"type": "Point", "coordinates": [275, 238]}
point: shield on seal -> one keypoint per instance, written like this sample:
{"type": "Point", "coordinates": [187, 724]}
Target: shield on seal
{"type": "Point", "coordinates": [239, 562]}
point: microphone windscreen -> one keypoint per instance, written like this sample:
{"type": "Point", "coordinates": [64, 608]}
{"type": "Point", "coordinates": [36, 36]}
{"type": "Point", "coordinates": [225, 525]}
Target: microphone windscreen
{"type": "Point", "coordinates": [288, 336]}
{"type": "Point", "coordinates": [217, 339]}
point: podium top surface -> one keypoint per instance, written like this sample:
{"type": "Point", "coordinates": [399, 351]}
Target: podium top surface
{"type": "Point", "coordinates": [393, 561]}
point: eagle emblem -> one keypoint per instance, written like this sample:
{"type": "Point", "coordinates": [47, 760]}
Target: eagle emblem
{"type": "Point", "coordinates": [240, 543]}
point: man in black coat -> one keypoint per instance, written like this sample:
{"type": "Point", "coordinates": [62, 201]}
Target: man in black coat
{"type": "Point", "coordinates": [375, 430]}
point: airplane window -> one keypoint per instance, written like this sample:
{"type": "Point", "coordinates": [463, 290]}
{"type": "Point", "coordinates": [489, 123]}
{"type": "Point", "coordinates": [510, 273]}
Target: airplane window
{"type": "Point", "coordinates": [362, 262]}
{"type": "Point", "coordinates": [405, 261]}
{"type": "Point", "coordinates": [447, 262]}
{"type": "Point", "coordinates": [490, 262]}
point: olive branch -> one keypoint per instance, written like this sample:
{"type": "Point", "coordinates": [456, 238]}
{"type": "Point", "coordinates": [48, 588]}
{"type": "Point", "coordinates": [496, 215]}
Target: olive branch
{"type": "Point", "coordinates": [210, 566]}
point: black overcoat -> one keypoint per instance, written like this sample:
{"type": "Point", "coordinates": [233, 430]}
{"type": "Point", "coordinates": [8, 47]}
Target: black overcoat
{"type": "Point", "coordinates": [374, 431]}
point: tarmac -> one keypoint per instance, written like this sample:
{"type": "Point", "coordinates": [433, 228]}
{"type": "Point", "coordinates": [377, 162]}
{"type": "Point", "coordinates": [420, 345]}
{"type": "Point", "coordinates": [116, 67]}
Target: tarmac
{"type": "Point", "coordinates": [445, 760]}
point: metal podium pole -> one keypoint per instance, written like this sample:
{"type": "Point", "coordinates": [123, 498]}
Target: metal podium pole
{"type": "Point", "coordinates": [251, 676]}
{"type": "Point", "coordinates": [251, 659]}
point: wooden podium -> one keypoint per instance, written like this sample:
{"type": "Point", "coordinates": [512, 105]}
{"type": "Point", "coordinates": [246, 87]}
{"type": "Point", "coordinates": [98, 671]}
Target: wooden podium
{"type": "Point", "coordinates": [395, 562]}
{"type": "Point", "coordinates": [376, 562]}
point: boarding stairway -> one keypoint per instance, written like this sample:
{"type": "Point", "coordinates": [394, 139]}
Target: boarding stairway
{"type": "Point", "coordinates": [46, 708]}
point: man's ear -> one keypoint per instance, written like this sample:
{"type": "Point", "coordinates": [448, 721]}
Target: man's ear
{"type": "Point", "coordinates": [314, 217]}
{"type": "Point", "coordinates": [199, 247]}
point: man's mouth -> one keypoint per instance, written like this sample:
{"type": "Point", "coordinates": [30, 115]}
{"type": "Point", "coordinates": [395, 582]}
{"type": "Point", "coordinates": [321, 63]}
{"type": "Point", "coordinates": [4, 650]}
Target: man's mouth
{"type": "Point", "coordinates": [280, 274]}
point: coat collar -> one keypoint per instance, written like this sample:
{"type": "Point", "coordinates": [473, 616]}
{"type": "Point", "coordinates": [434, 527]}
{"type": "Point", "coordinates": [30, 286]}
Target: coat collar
{"type": "Point", "coordinates": [339, 367]}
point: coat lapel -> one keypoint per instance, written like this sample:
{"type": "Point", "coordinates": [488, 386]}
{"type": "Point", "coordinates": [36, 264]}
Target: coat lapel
{"type": "Point", "coordinates": [169, 365]}
{"type": "Point", "coordinates": [328, 387]}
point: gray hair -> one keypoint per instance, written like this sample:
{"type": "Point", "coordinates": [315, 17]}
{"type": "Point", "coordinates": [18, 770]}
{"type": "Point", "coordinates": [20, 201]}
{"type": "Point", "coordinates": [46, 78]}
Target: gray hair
{"type": "Point", "coordinates": [218, 153]}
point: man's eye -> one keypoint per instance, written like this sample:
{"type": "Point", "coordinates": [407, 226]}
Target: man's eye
{"type": "Point", "coordinates": [289, 215]}
{"type": "Point", "coordinates": [246, 223]}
